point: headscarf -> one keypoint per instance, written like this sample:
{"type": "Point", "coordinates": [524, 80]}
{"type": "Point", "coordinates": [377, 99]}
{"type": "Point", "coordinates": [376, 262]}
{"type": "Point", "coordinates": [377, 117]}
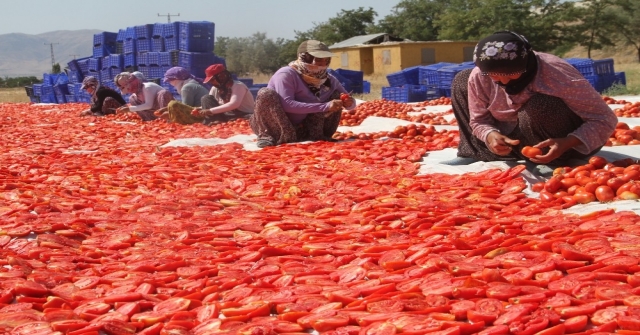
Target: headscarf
{"type": "Point", "coordinates": [132, 85]}
{"type": "Point", "coordinates": [180, 75]}
{"type": "Point", "coordinates": [507, 53]}
{"type": "Point", "coordinates": [224, 80]}
{"type": "Point", "coordinates": [313, 75]}
{"type": "Point", "coordinates": [91, 81]}
{"type": "Point", "coordinates": [140, 76]}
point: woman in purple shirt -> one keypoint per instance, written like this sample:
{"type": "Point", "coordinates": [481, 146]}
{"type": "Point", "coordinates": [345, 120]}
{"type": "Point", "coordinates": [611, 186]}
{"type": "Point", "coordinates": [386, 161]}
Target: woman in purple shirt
{"type": "Point", "coordinates": [301, 102]}
{"type": "Point", "coordinates": [516, 97]}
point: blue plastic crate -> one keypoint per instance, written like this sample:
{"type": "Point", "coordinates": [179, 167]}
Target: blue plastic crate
{"type": "Point", "coordinates": [37, 89]}
{"type": "Point", "coordinates": [62, 79]}
{"type": "Point", "coordinates": [356, 77]}
{"type": "Point", "coordinates": [191, 60]}
{"type": "Point", "coordinates": [196, 36]}
{"type": "Point", "coordinates": [61, 98]}
{"type": "Point", "coordinates": [411, 75]}
{"type": "Point", "coordinates": [48, 98]}
{"type": "Point", "coordinates": [76, 64]}
{"type": "Point", "coordinates": [428, 74]}
{"type": "Point", "coordinates": [366, 87]}
{"type": "Point", "coordinates": [171, 43]}
{"type": "Point", "coordinates": [396, 79]}
{"type": "Point", "coordinates": [72, 88]}
{"type": "Point", "coordinates": [95, 64]}
{"type": "Point", "coordinates": [603, 66]}
{"type": "Point", "coordinates": [129, 46]}
{"type": "Point", "coordinates": [621, 78]}
{"type": "Point", "coordinates": [70, 98]}
{"type": "Point", "coordinates": [157, 44]}
{"type": "Point", "coordinates": [47, 89]}
{"type": "Point", "coordinates": [95, 74]}
{"type": "Point", "coordinates": [158, 30]}
{"type": "Point", "coordinates": [110, 84]}
{"type": "Point", "coordinates": [129, 60]}
{"type": "Point", "coordinates": [254, 91]}
{"type": "Point", "coordinates": [583, 65]}
{"type": "Point", "coordinates": [142, 59]}
{"type": "Point", "coordinates": [447, 73]}
{"type": "Point", "coordinates": [35, 99]}
{"type": "Point", "coordinates": [143, 45]}
{"type": "Point", "coordinates": [109, 73]}
{"type": "Point", "coordinates": [144, 70]}
{"type": "Point", "coordinates": [121, 35]}
{"type": "Point", "coordinates": [113, 60]}
{"type": "Point", "coordinates": [143, 31]}
{"type": "Point", "coordinates": [171, 29]}
{"type": "Point", "coordinates": [153, 58]}
{"type": "Point", "coordinates": [433, 92]}
{"type": "Point", "coordinates": [102, 51]}
{"type": "Point", "coordinates": [104, 37]}
{"type": "Point", "coordinates": [49, 78]}
{"type": "Point", "coordinates": [398, 94]}
{"type": "Point", "coordinates": [168, 58]}
{"type": "Point", "coordinates": [75, 77]}
{"type": "Point", "coordinates": [605, 81]}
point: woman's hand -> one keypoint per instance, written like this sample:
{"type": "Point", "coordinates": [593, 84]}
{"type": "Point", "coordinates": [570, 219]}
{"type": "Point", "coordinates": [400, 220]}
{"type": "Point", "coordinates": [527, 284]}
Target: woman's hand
{"type": "Point", "coordinates": [85, 112]}
{"type": "Point", "coordinates": [196, 111]}
{"type": "Point", "coordinates": [160, 111]}
{"type": "Point", "coordinates": [500, 144]}
{"type": "Point", "coordinates": [557, 147]}
{"type": "Point", "coordinates": [335, 105]}
{"type": "Point", "coordinates": [122, 110]}
{"type": "Point", "coordinates": [347, 100]}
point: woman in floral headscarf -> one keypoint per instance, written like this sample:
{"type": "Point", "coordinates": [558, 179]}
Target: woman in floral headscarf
{"type": "Point", "coordinates": [518, 97]}
{"type": "Point", "coordinates": [146, 97]}
{"type": "Point", "coordinates": [191, 92]}
{"type": "Point", "coordinates": [302, 101]}
{"type": "Point", "coordinates": [104, 100]}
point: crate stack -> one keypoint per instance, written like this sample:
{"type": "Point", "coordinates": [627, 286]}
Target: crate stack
{"type": "Point", "coordinates": [600, 73]}
{"type": "Point", "coordinates": [352, 81]}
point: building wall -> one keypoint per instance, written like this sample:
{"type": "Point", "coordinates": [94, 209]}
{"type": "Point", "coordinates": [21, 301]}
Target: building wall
{"type": "Point", "coordinates": [393, 57]}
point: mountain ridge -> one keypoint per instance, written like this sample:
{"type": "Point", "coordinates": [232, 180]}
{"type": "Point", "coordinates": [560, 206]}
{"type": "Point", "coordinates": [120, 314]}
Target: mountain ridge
{"type": "Point", "coordinates": [25, 55]}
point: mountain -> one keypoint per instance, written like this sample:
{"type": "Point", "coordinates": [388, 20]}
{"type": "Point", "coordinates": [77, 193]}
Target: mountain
{"type": "Point", "coordinates": [23, 55]}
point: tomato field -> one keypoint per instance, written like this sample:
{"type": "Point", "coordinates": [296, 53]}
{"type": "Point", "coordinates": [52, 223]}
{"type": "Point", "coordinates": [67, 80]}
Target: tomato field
{"type": "Point", "coordinates": [105, 230]}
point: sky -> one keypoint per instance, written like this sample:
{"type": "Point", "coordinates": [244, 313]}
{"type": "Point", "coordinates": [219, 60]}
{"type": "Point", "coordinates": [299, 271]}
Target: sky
{"type": "Point", "coordinates": [232, 18]}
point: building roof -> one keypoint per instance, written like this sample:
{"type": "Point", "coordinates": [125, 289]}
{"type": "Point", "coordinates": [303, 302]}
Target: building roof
{"type": "Point", "coordinates": [365, 40]}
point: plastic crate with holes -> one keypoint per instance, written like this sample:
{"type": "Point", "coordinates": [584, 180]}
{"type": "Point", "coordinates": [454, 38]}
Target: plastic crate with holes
{"type": "Point", "coordinates": [171, 43]}
{"type": "Point", "coordinates": [129, 46]}
{"type": "Point", "coordinates": [47, 89]}
{"type": "Point", "coordinates": [171, 29]}
{"type": "Point", "coordinates": [197, 62]}
{"type": "Point", "coordinates": [157, 44]}
{"type": "Point", "coordinates": [75, 77]}
{"type": "Point", "coordinates": [603, 66]}
{"type": "Point", "coordinates": [153, 58]}
{"type": "Point", "coordinates": [121, 35]}
{"type": "Point", "coordinates": [396, 79]}
{"type": "Point", "coordinates": [428, 74]}
{"type": "Point", "coordinates": [48, 99]}
{"type": "Point", "coordinates": [196, 36]}
{"type": "Point", "coordinates": [168, 58]}
{"type": "Point", "coordinates": [621, 78]}
{"type": "Point", "coordinates": [143, 45]}
{"type": "Point", "coordinates": [412, 74]}
{"type": "Point", "coordinates": [104, 37]}
{"type": "Point", "coordinates": [354, 76]}
{"type": "Point", "coordinates": [142, 59]}
{"type": "Point", "coordinates": [447, 73]}
{"type": "Point", "coordinates": [95, 64]}
{"type": "Point", "coordinates": [37, 89]}
{"type": "Point", "coordinates": [113, 60]}
{"type": "Point", "coordinates": [70, 98]}
{"type": "Point", "coordinates": [129, 60]}
{"type": "Point", "coordinates": [29, 91]}
{"type": "Point", "coordinates": [60, 98]}
{"type": "Point", "coordinates": [34, 99]}
{"type": "Point", "coordinates": [156, 72]}
{"type": "Point", "coordinates": [583, 65]}
{"type": "Point", "coordinates": [406, 93]}
{"type": "Point", "coordinates": [143, 31]}
{"type": "Point", "coordinates": [158, 30]}
{"type": "Point", "coordinates": [80, 65]}
{"type": "Point", "coordinates": [110, 73]}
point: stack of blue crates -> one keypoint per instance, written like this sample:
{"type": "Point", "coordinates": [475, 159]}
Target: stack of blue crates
{"type": "Point", "coordinates": [600, 73]}
{"type": "Point", "coordinates": [150, 48]}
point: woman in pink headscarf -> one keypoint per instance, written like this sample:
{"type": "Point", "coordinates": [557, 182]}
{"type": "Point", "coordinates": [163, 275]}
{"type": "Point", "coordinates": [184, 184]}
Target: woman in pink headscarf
{"type": "Point", "coordinates": [191, 92]}
{"type": "Point", "coordinates": [146, 97]}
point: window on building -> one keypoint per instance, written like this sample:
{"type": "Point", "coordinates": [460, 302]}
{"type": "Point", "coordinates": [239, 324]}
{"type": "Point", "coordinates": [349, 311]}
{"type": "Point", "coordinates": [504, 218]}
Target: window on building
{"type": "Point", "coordinates": [428, 56]}
{"type": "Point", "coordinates": [344, 60]}
{"type": "Point", "coordinates": [386, 57]}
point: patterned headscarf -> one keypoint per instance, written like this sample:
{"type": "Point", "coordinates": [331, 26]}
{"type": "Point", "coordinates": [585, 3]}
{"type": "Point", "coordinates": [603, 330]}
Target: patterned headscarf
{"type": "Point", "coordinates": [132, 85]}
{"type": "Point", "coordinates": [91, 81]}
{"type": "Point", "coordinates": [507, 53]}
{"type": "Point", "coordinates": [313, 75]}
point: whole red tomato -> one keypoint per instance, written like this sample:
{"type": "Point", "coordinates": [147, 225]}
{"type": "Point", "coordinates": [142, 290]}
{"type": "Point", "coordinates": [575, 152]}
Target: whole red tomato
{"type": "Point", "coordinates": [531, 152]}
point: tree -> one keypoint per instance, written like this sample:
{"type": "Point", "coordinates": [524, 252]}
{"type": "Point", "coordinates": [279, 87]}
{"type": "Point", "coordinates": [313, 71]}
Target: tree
{"type": "Point", "coordinates": [594, 30]}
{"type": "Point", "coordinates": [627, 22]}
{"type": "Point", "coordinates": [414, 20]}
{"type": "Point", "coordinates": [55, 68]}
{"type": "Point", "coordinates": [347, 24]}
{"type": "Point", "coordinates": [253, 54]}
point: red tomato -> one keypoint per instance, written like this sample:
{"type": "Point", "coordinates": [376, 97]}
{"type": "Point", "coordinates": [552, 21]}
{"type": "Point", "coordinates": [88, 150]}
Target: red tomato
{"type": "Point", "coordinates": [531, 152]}
{"type": "Point", "coordinates": [604, 193]}
{"type": "Point", "coordinates": [598, 162]}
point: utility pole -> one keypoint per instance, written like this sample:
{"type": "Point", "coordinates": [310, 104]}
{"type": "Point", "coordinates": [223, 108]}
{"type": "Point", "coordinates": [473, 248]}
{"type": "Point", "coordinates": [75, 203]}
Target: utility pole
{"type": "Point", "coordinates": [53, 60]}
{"type": "Point", "coordinates": [169, 16]}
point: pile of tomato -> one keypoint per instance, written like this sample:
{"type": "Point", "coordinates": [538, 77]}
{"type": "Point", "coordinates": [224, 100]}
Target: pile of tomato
{"type": "Point", "coordinates": [612, 101]}
{"type": "Point", "coordinates": [105, 231]}
{"type": "Point", "coordinates": [397, 110]}
{"type": "Point", "coordinates": [624, 135]}
{"type": "Point", "coordinates": [628, 110]}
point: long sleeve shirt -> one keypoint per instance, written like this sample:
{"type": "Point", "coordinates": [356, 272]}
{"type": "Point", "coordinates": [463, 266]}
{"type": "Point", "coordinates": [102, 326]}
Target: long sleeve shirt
{"type": "Point", "coordinates": [297, 99]}
{"type": "Point", "coordinates": [241, 99]}
{"type": "Point", "coordinates": [102, 93]}
{"type": "Point", "coordinates": [149, 91]}
{"type": "Point", "coordinates": [192, 93]}
{"type": "Point", "coordinates": [492, 109]}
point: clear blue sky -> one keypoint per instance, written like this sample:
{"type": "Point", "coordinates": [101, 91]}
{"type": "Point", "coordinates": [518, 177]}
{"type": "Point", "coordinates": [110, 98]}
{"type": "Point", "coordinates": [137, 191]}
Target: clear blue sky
{"type": "Point", "coordinates": [232, 18]}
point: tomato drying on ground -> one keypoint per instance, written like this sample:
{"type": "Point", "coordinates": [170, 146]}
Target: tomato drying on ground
{"type": "Point", "coordinates": [103, 230]}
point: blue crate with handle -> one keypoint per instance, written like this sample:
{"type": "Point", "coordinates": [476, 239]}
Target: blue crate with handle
{"type": "Point", "coordinates": [144, 70]}
{"type": "Point", "coordinates": [129, 60]}
{"type": "Point", "coordinates": [603, 66]}
{"type": "Point", "coordinates": [583, 65]}
{"type": "Point", "coordinates": [129, 46]}
{"type": "Point", "coordinates": [47, 89]}
{"type": "Point", "coordinates": [113, 60]}
{"type": "Point", "coordinates": [143, 31]}
{"type": "Point", "coordinates": [75, 65]}
{"type": "Point", "coordinates": [158, 30]}
{"type": "Point", "coordinates": [143, 45]}
{"type": "Point", "coordinates": [104, 38]}
{"type": "Point", "coordinates": [190, 60]}
{"type": "Point", "coordinates": [168, 58]}
{"type": "Point", "coordinates": [171, 29]}
{"type": "Point", "coordinates": [37, 89]}
{"type": "Point", "coordinates": [411, 75]}
{"type": "Point", "coordinates": [48, 99]}
{"type": "Point", "coordinates": [196, 36]}
{"type": "Point", "coordinates": [153, 58]}
{"type": "Point", "coordinates": [428, 74]}
{"type": "Point", "coordinates": [447, 73]}
{"type": "Point", "coordinates": [48, 78]}
{"type": "Point", "coordinates": [109, 73]}
{"type": "Point", "coordinates": [75, 77]}
{"type": "Point", "coordinates": [366, 87]}
{"type": "Point", "coordinates": [171, 43]}
{"type": "Point", "coordinates": [356, 77]}
{"type": "Point", "coordinates": [70, 98]}
{"type": "Point", "coordinates": [157, 44]}
{"type": "Point", "coordinates": [142, 59]}
{"type": "Point", "coordinates": [396, 79]}
{"type": "Point", "coordinates": [121, 35]}
{"type": "Point", "coordinates": [95, 64]}
{"type": "Point", "coordinates": [395, 93]}
{"type": "Point", "coordinates": [72, 88]}
{"type": "Point", "coordinates": [60, 98]}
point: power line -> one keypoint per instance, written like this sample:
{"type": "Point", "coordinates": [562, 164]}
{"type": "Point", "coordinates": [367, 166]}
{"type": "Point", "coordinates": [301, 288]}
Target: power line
{"type": "Point", "coordinates": [169, 16]}
{"type": "Point", "coordinates": [53, 59]}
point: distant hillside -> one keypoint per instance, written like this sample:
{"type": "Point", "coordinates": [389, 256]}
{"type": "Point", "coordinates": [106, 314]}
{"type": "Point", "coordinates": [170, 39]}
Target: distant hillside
{"type": "Point", "coordinates": [23, 55]}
